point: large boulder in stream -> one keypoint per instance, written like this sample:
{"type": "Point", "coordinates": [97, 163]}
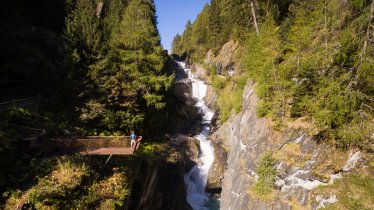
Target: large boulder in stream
{"type": "Point", "coordinates": [188, 148]}
{"type": "Point", "coordinates": [216, 171]}
{"type": "Point", "coordinates": [185, 114]}
{"type": "Point", "coordinates": [211, 98]}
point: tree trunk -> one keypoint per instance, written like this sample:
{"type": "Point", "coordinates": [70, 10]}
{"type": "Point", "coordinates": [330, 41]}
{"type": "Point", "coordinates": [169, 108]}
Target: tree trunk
{"type": "Point", "coordinates": [367, 37]}
{"type": "Point", "coordinates": [254, 19]}
{"type": "Point", "coordinates": [355, 74]}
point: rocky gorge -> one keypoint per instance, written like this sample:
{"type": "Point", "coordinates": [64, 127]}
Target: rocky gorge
{"type": "Point", "coordinates": [308, 171]}
{"type": "Point", "coordinates": [302, 164]}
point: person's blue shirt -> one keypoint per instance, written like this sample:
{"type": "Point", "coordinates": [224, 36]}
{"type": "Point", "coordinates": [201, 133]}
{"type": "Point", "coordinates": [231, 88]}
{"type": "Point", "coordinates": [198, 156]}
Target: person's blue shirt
{"type": "Point", "coordinates": [132, 136]}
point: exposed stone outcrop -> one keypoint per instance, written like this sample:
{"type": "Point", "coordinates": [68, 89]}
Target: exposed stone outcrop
{"type": "Point", "coordinates": [159, 184]}
{"type": "Point", "coordinates": [188, 147]}
{"type": "Point", "coordinates": [302, 163]}
{"type": "Point", "coordinates": [199, 72]}
{"type": "Point", "coordinates": [185, 114]}
{"type": "Point", "coordinates": [216, 172]}
{"type": "Point", "coordinates": [211, 98]}
{"type": "Point", "coordinates": [224, 61]}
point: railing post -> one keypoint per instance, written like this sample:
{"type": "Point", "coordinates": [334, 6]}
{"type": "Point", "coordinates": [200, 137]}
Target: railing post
{"type": "Point", "coordinates": [137, 144]}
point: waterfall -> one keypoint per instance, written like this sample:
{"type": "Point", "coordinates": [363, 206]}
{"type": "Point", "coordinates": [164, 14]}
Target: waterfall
{"type": "Point", "coordinates": [196, 178]}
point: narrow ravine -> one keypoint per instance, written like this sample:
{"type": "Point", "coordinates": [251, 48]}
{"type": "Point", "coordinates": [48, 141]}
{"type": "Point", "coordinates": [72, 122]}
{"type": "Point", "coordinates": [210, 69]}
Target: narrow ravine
{"type": "Point", "coordinates": [196, 179]}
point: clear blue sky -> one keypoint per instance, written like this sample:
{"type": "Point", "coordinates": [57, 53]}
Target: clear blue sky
{"type": "Point", "coordinates": [173, 15]}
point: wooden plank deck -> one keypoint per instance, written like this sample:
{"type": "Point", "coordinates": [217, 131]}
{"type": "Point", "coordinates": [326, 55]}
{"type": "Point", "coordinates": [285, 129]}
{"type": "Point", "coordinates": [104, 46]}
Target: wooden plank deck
{"type": "Point", "coordinates": [109, 151]}
{"type": "Point", "coordinates": [97, 145]}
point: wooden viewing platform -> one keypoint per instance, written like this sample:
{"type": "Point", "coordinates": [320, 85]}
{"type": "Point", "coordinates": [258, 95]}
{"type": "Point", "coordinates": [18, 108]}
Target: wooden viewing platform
{"type": "Point", "coordinates": [89, 145]}
{"type": "Point", "coordinates": [103, 145]}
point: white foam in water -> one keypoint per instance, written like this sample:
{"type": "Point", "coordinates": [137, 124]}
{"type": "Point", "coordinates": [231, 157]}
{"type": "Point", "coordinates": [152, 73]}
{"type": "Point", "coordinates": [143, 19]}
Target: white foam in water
{"type": "Point", "coordinates": [196, 178]}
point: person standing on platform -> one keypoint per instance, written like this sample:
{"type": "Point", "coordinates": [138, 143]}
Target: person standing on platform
{"type": "Point", "coordinates": [133, 140]}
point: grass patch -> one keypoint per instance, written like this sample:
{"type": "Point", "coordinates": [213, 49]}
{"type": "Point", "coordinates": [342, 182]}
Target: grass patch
{"type": "Point", "coordinates": [354, 191]}
{"type": "Point", "coordinates": [333, 161]}
{"type": "Point", "coordinates": [291, 154]}
{"type": "Point", "coordinates": [76, 182]}
{"type": "Point", "coordinates": [266, 175]}
{"type": "Point", "coordinates": [150, 150]}
{"type": "Point", "coordinates": [230, 95]}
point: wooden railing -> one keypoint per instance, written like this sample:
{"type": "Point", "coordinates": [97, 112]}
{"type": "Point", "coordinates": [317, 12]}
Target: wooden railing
{"type": "Point", "coordinates": [103, 145]}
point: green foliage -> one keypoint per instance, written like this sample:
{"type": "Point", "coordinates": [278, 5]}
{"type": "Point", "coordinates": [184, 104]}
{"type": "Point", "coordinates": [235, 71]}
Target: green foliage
{"type": "Point", "coordinates": [5, 144]}
{"type": "Point", "coordinates": [110, 193]}
{"type": "Point", "coordinates": [75, 182]}
{"type": "Point", "coordinates": [214, 27]}
{"type": "Point", "coordinates": [57, 188]}
{"type": "Point", "coordinates": [266, 174]}
{"type": "Point", "coordinates": [298, 74]}
{"type": "Point", "coordinates": [150, 150]}
{"type": "Point", "coordinates": [260, 59]}
{"type": "Point", "coordinates": [354, 191]}
{"type": "Point", "coordinates": [18, 116]}
{"type": "Point", "coordinates": [230, 95]}
{"type": "Point", "coordinates": [221, 21]}
{"type": "Point", "coordinates": [311, 59]}
{"type": "Point", "coordinates": [117, 63]}
{"type": "Point", "coordinates": [237, 16]}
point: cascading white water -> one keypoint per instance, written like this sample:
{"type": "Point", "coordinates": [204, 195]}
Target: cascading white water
{"type": "Point", "coordinates": [196, 178]}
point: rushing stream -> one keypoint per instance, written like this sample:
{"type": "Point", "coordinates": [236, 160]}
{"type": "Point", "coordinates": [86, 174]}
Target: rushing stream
{"type": "Point", "coordinates": [196, 178]}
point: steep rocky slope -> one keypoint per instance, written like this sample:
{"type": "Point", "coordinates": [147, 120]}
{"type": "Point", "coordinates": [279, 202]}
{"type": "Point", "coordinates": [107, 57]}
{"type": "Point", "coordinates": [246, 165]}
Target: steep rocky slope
{"type": "Point", "coordinates": [309, 172]}
{"type": "Point", "coordinates": [302, 164]}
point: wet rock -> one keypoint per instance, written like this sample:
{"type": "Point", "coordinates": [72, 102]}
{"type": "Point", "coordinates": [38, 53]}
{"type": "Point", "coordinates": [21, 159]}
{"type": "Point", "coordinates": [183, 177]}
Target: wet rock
{"type": "Point", "coordinates": [159, 184]}
{"type": "Point", "coordinates": [188, 147]}
{"type": "Point", "coordinates": [199, 72]}
{"type": "Point", "coordinates": [183, 109]}
{"type": "Point", "coordinates": [216, 171]}
{"type": "Point", "coordinates": [196, 128]}
{"type": "Point", "coordinates": [182, 89]}
{"type": "Point", "coordinates": [211, 98]}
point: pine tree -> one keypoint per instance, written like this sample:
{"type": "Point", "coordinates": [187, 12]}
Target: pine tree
{"type": "Point", "coordinates": [82, 44]}
{"type": "Point", "coordinates": [176, 44]}
{"type": "Point", "coordinates": [214, 26]}
{"type": "Point", "coordinates": [136, 78]}
{"type": "Point", "coordinates": [237, 15]}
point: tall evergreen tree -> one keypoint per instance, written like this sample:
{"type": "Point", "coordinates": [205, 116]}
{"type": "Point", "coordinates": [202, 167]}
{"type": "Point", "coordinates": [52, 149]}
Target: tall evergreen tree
{"type": "Point", "coordinates": [237, 15]}
{"type": "Point", "coordinates": [135, 79]}
{"type": "Point", "coordinates": [214, 26]}
{"type": "Point", "coordinates": [82, 44]}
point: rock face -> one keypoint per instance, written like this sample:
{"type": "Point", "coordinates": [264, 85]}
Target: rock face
{"type": "Point", "coordinates": [211, 98]}
{"type": "Point", "coordinates": [185, 114]}
{"type": "Point", "coordinates": [302, 163]}
{"type": "Point", "coordinates": [159, 184]}
{"type": "Point", "coordinates": [216, 172]}
{"type": "Point", "coordinates": [188, 147]}
{"type": "Point", "coordinates": [224, 61]}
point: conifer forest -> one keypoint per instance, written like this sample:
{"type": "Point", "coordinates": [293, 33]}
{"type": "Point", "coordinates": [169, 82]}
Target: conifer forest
{"type": "Point", "coordinates": [258, 104]}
